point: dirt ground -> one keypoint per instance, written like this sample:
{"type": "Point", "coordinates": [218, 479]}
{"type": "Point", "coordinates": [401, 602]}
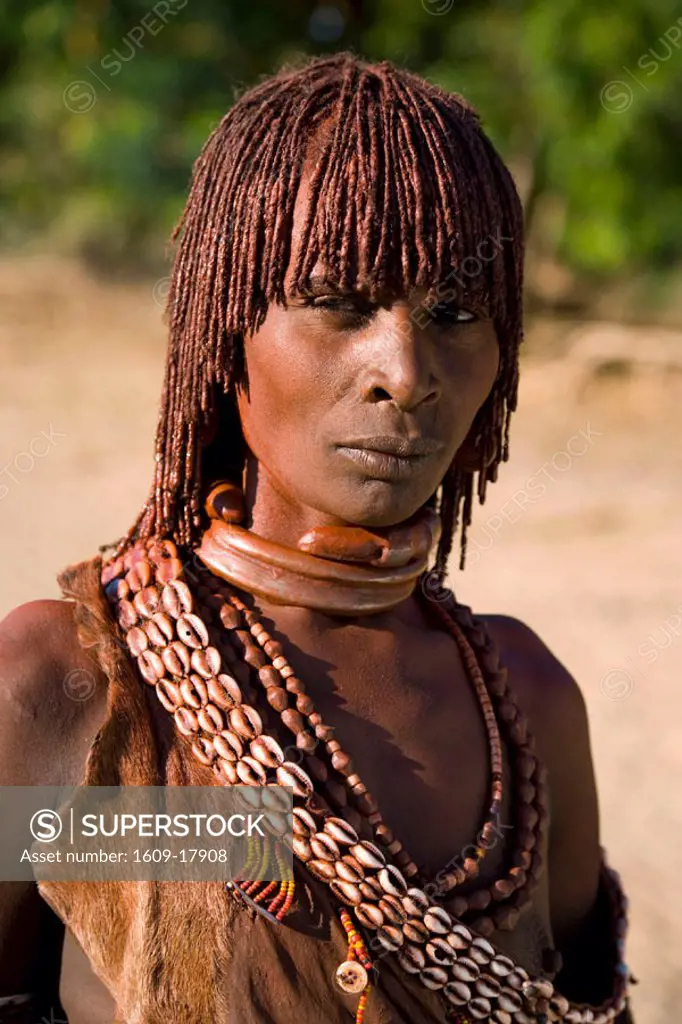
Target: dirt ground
{"type": "Point", "coordinates": [580, 537]}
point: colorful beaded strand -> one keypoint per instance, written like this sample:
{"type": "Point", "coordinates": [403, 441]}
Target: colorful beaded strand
{"type": "Point", "coordinates": [357, 950]}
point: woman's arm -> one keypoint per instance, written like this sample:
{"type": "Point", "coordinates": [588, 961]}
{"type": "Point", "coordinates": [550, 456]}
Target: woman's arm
{"type": "Point", "coordinates": [580, 906]}
{"type": "Point", "coordinates": [40, 744]}
{"type": "Point", "coordinates": [31, 938]}
{"type": "Point", "coordinates": [579, 903]}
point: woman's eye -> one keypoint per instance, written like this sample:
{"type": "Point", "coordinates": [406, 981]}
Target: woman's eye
{"type": "Point", "coordinates": [346, 306]}
{"type": "Point", "coordinates": [447, 313]}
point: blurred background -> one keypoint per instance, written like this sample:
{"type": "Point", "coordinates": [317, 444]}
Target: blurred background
{"type": "Point", "coordinates": [103, 109]}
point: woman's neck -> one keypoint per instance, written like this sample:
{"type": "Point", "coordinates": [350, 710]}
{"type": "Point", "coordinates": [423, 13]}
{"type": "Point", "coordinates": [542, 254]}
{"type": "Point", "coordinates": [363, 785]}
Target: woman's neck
{"type": "Point", "coordinates": [271, 514]}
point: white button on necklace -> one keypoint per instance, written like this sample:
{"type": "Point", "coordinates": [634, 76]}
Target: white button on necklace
{"type": "Point", "coordinates": [351, 977]}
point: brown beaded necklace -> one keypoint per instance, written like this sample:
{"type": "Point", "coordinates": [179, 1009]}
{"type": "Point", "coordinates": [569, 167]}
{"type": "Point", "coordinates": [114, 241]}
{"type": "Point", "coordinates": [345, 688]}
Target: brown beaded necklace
{"type": "Point", "coordinates": [508, 894]}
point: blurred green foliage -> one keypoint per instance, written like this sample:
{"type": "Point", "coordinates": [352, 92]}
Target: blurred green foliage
{"type": "Point", "coordinates": [104, 106]}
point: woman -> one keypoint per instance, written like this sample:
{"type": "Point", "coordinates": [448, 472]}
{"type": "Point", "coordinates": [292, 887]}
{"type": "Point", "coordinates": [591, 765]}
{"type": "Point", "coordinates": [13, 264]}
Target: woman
{"type": "Point", "coordinates": [345, 316]}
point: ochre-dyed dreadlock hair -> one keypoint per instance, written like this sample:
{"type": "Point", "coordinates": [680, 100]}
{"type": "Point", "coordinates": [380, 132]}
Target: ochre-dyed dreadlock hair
{"type": "Point", "coordinates": [406, 189]}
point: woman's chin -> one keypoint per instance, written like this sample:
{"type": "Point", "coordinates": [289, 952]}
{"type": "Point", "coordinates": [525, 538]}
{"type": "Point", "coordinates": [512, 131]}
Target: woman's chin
{"type": "Point", "coordinates": [381, 504]}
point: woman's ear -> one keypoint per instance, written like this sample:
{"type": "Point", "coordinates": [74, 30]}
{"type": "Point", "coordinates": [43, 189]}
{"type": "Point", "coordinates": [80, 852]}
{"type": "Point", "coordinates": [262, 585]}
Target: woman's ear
{"type": "Point", "coordinates": [469, 455]}
{"type": "Point", "coordinates": [237, 371]}
{"type": "Point", "coordinates": [221, 441]}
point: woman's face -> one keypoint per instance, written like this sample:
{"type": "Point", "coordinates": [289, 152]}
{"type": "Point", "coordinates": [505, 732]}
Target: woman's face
{"type": "Point", "coordinates": [355, 408]}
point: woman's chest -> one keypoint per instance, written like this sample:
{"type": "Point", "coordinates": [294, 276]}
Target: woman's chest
{"type": "Point", "coordinates": [406, 713]}
{"type": "Point", "coordinates": [447, 774]}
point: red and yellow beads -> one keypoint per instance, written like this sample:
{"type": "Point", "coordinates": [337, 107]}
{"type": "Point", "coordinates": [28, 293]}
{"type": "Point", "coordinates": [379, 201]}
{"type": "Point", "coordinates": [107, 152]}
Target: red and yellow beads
{"type": "Point", "coordinates": [352, 976]}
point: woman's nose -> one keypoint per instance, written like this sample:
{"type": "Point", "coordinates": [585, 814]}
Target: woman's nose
{"type": "Point", "coordinates": [398, 361]}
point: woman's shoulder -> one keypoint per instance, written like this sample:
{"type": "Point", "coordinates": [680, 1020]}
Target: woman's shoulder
{"type": "Point", "coordinates": [52, 693]}
{"type": "Point", "coordinates": [541, 681]}
{"type": "Point", "coordinates": [554, 704]}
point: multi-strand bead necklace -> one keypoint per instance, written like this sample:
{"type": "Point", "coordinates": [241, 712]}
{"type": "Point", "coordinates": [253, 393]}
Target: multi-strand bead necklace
{"type": "Point", "coordinates": [203, 649]}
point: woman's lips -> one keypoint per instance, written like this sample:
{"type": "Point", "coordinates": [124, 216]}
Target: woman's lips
{"type": "Point", "coordinates": [382, 466]}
